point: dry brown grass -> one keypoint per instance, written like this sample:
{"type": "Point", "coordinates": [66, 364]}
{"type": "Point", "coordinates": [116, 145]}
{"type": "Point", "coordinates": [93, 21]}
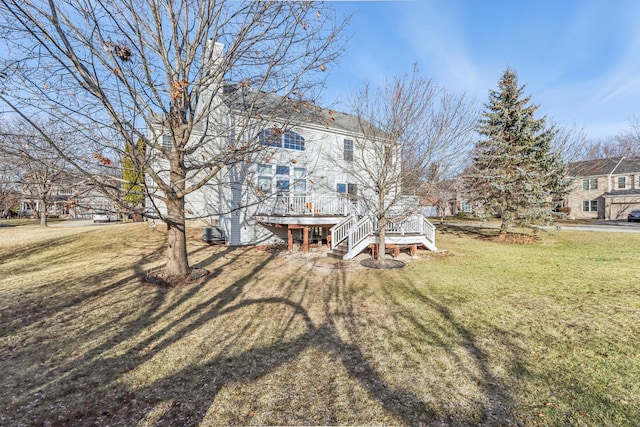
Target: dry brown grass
{"type": "Point", "coordinates": [275, 339]}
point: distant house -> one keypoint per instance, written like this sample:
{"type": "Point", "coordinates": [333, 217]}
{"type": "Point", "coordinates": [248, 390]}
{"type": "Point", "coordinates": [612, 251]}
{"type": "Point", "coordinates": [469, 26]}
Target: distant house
{"type": "Point", "coordinates": [66, 197]}
{"type": "Point", "coordinates": [604, 188]}
{"type": "Point", "coordinates": [446, 198]}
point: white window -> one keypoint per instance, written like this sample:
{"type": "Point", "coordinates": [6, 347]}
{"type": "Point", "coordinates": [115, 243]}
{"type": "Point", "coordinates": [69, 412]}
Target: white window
{"type": "Point", "coordinates": [293, 141]}
{"type": "Point", "coordinates": [590, 206]}
{"type": "Point", "coordinates": [351, 189]}
{"type": "Point", "coordinates": [622, 182]}
{"type": "Point", "coordinates": [348, 150]}
{"type": "Point", "coordinates": [270, 137]}
{"type": "Point", "coordinates": [589, 183]}
{"type": "Point", "coordinates": [265, 178]}
{"type": "Point", "coordinates": [166, 142]}
{"type": "Point", "coordinates": [282, 178]}
{"type": "Point", "coordinates": [466, 207]}
{"type": "Point", "coordinates": [300, 183]}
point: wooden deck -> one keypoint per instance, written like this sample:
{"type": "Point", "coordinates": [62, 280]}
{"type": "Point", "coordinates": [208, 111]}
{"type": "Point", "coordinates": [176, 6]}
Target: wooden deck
{"type": "Point", "coordinates": [337, 219]}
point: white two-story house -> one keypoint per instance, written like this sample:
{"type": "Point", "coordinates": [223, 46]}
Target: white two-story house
{"type": "Point", "coordinates": [299, 184]}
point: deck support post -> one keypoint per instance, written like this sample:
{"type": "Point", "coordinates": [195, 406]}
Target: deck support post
{"type": "Point", "coordinates": [305, 239]}
{"type": "Point", "coordinates": [290, 238]}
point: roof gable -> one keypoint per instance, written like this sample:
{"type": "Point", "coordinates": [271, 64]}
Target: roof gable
{"type": "Point", "coordinates": [616, 166]}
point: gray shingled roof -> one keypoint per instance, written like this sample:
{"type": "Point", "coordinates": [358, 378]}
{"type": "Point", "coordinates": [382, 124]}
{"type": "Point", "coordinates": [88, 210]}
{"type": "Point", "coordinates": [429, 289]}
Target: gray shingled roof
{"type": "Point", "coordinates": [297, 110]}
{"type": "Point", "coordinates": [634, 192]}
{"type": "Point", "coordinates": [605, 167]}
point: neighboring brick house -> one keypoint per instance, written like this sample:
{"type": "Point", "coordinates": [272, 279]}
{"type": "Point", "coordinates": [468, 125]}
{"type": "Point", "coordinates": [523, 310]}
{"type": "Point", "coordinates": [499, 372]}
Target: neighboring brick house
{"type": "Point", "coordinates": [604, 188]}
{"type": "Point", "coordinates": [446, 198]}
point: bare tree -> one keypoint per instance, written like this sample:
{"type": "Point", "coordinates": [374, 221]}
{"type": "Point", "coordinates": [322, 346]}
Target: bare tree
{"type": "Point", "coordinates": [624, 144]}
{"type": "Point", "coordinates": [36, 168]}
{"type": "Point", "coordinates": [413, 133]}
{"type": "Point", "coordinates": [8, 186]}
{"type": "Point", "coordinates": [628, 143]}
{"type": "Point", "coordinates": [571, 142]}
{"type": "Point", "coordinates": [120, 70]}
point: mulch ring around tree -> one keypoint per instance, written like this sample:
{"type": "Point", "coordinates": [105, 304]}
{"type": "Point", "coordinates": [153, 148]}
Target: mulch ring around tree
{"type": "Point", "coordinates": [515, 238]}
{"type": "Point", "coordinates": [382, 265]}
{"type": "Point", "coordinates": [160, 277]}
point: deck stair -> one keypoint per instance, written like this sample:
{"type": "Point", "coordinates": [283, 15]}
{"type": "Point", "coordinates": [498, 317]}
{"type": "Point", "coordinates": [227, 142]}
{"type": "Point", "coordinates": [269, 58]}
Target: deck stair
{"type": "Point", "coordinates": [354, 234]}
{"type": "Point", "coordinates": [340, 250]}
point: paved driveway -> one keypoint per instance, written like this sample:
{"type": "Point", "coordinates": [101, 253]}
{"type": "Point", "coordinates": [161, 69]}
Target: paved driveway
{"type": "Point", "coordinates": [79, 223]}
{"type": "Point", "coordinates": [602, 226]}
{"type": "Point", "coordinates": [611, 226]}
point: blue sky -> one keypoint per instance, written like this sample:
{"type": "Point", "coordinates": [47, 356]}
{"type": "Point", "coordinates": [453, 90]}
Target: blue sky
{"type": "Point", "coordinates": [579, 59]}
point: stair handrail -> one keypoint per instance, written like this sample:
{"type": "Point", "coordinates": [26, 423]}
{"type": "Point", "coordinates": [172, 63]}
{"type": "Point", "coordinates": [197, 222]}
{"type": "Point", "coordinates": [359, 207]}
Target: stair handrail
{"type": "Point", "coordinates": [340, 231]}
{"type": "Point", "coordinates": [360, 231]}
{"type": "Point", "coordinates": [429, 230]}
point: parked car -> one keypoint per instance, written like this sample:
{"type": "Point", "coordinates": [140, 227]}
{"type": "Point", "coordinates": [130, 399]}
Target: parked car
{"type": "Point", "coordinates": [634, 216]}
{"type": "Point", "coordinates": [101, 217]}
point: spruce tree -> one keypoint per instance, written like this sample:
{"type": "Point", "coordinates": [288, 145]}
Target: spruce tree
{"type": "Point", "coordinates": [132, 175]}
{"type": "Point", "coordinates": [516, 174]}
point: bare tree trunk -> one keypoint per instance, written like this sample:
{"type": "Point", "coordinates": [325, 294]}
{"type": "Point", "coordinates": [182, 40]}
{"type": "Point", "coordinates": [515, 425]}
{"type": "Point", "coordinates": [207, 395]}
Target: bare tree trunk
{"type": "Point", "coordinates": [382, 245]}
{"type": "Point", "coordinates": [43, 213]}
{"type": "Point", "coordinates": [177, 260]}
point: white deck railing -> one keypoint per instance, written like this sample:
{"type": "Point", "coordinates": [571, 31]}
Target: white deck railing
{"type": "Point", "coordinates": [308, 205]}
{"type": "Point", "coordinates": [429, 230]}
{"type": "Point", "coordinates": [357, 231]}
{"type": "Point", "coordinates": [340, 231]}
{"type": "Point", "coordinates": [361, 230]}
{"type": "Point", "coordinates": [416, 223]}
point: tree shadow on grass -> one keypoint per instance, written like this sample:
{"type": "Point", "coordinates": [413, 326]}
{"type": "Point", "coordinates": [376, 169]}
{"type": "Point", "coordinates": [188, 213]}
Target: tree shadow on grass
{"type": "Point", "coordinates": [487, 232]}
{"type": "Point", "coordinates": [92, 389]}
{"type": "Point", "coordinates": [499, 403]}
{"type": "Point", "coordinates": [470, 230]}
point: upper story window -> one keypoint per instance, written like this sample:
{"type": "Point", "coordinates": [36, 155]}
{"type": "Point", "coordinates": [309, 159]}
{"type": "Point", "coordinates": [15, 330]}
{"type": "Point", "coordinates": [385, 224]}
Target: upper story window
{"type": "Point", "coordinates": [589, 183]}
{"type": "Point", "coordinates": [275, 138]}
{"type": "Point", "coordinates": [348, 150]}
{"type": "Point", "coordinates": [270, 137]}
{"type": "Point", "coordinates": [622, 182]}
{"type": "Point", "coordinates": [293, 141]}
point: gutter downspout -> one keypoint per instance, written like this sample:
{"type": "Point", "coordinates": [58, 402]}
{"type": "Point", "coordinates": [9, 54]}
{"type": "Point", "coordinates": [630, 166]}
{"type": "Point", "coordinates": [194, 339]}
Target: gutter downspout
{"type": "Point", "coordinates": [611, 173]}
{"type": "Point", "coordinates": [609, 184]}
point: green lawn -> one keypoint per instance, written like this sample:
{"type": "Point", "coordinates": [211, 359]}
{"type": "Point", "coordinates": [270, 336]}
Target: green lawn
{"type": "Point", "coordinates": [486, 333]}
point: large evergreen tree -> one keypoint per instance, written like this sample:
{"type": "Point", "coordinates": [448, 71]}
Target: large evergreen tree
{"type": "Point", "coordinates": [516, 174]}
